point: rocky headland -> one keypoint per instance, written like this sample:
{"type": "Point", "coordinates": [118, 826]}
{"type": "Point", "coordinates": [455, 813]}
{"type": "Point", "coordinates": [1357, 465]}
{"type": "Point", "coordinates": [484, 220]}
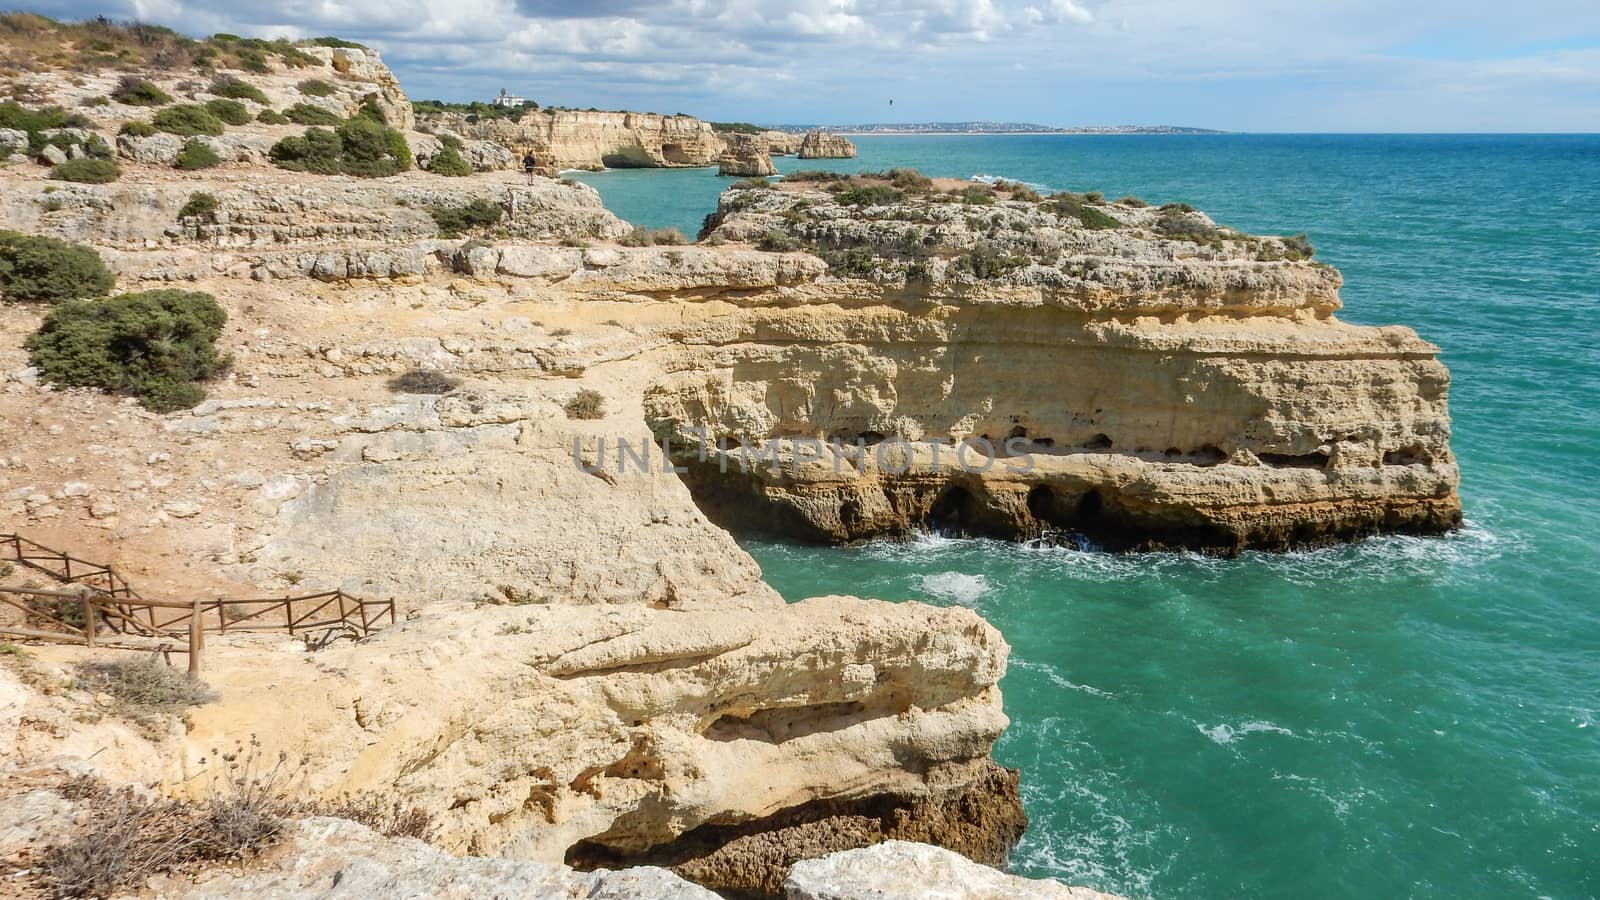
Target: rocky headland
{"type": "Point", "coordinates": [587, 670]}
{"type": "Point", "coordinates": [822, 145]}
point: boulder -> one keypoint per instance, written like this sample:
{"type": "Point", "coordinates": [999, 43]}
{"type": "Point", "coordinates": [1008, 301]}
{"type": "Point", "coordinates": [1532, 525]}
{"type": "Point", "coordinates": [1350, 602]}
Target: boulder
{"type": "Point", "coordinates": [900, 870]}
{"type": "Point", "coordinates": [822, 145]}
{"type": "Point", "coordinates": [487, 156]}
{"type": "Point", "coordinates": [158, 149]}
{"type": "Point", "coordinates": [745, 155]}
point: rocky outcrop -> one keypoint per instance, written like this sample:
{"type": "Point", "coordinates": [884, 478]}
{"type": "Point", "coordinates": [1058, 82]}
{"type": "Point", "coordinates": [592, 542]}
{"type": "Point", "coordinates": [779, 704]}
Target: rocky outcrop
{"type": "Point", "coordinates": [573, 139]}
{"type": "Point", "coordinates": [896, 870]}
{"type": "Point", "coordinates": [745, 155]}
{"type": "Point", "coordinates": [1174, 428]}
{"type": "Point", "coordinates": [822, 145]}
{"type": "Point", "coordinates": [781, 143]}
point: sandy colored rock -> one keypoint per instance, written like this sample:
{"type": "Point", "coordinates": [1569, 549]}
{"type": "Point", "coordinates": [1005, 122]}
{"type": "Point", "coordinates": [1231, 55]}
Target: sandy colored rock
{"type": "Point", "coordinates": [745, 155]}
{"type": "Point", "coordinates": [897, 870]}
{"type": "Point", "coordinates": [822, 145]}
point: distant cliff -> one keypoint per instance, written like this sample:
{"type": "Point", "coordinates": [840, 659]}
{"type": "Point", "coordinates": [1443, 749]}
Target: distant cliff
{"type": "Point", "coordinates": [576, 139]}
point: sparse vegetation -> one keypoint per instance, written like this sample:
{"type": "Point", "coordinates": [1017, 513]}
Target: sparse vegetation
{"type": "Point", "coordinates": [360, 147]}
{"type": "Point", "coordinates": [423, 381]}
{"type": "Point", "coordinates": [200, 206]}
{"type": "Point", "coordinates": [586, 404]}
{"type": "Point", "coordinates": [316, 87]}
{"type": "Point", "coordinates": [155, 345]}
{"type": "Point", "coordinates": [1177, 223]}
{"type": "Point", "coordinates": [871, 195]}
{"type": "Point", "coordinates": [984, 263]}
{"type": "Point", "coordinates": [307, 114]}
{"type": "Point", "coordinates": [231, 112]}
{"type": "Point", "coordinates": [272, 117]}
{"type": "Point", "coordinates": [736, 128]}
{"type": "Point", "coordinates": [856, 262]}
{"type": "Point", "coordinates": [137, 128]}
{"type": "Point", "coordinates": [449, 161]}
{"type": "Point", "coordinates": [977, 195]}
{"type": "Point", "coordinates": [650, 237]}
{"type": "Point", "coordinates": [136, 91]}
{"type": "Point", "coordinates": [750, 184]}
{"type": "Point", "coordinates": [453, 221]}
{"type": "Point", "coordinates": [1131, 201]}
{"type": "Point", "coordinates": [778, 242]}
{"type": "Point", "coordinates": [318, 151]}
{"type": "Point", "coordinates": [196, 155]}
{"type": "Point", "coordinates": [1068, 205]}
{"type": "Point", "coordinates": [143, 686]}
{"type": "Point", "coordinates": [86, 170]}
{"type": "Point", "coordinates": [36, 269]}
{"type": "Point", "coordinates": [806, 175]}
{"type": "Point", "coordinates": [188, 120]}
{"type": "Point", "coordinates": [237, 89]}
{"type": "Point", "coordinates": [476, 110]}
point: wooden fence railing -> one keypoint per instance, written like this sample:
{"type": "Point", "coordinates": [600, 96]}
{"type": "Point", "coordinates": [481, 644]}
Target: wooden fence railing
{"type": "Point", "coordinates": [104, 599]}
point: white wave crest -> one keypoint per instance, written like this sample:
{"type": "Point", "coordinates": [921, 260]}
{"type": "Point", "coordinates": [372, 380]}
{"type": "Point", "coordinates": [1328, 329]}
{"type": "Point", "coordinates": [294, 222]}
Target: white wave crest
{"type": "Point", "coordinates": [958, 587]}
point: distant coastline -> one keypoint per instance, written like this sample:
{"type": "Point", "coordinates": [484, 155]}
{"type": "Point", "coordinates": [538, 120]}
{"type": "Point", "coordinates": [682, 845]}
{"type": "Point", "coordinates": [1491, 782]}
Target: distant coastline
{"type": "Point", "coordinates": [990, 128]}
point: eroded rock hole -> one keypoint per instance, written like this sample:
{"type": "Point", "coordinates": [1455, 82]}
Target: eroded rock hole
{"type": "Point", "coordinates": [1098, 442]}
{"type": "Point", "coordinates": [1412, 455]}
{"type": "Point", "coordinates": [1295, 461]}
{"type": "Point", "coordinates": [953, 511]}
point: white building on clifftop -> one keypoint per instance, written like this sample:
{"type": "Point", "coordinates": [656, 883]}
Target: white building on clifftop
{"type": "Point", "coordinates": [506, 99]}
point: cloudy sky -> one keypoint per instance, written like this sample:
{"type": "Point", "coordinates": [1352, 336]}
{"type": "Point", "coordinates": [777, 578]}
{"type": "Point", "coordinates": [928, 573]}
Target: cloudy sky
{"type": "Point", "coordinates": [1248, 65]}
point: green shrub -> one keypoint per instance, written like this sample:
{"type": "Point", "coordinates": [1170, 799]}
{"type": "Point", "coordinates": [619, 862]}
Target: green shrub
{"type": "Point", "coordinates": [977, 195]}
{"type": "Point", "coordinates": [1132, 201]}
{"type": "Point", "coordinates": [778, 242]}
{"type": "Point", "coordinates": [135, 91]}
{"type": "Point", "coordinates": [231, 112]}
{"type": "Point", "coordinates": [908, 180]}
{"type": "Point", "coordinates": [804, 175]}
{"type": "Point", "coordinates": [857, 262]}
{"type": "Point", "coordinates": [750, 184]}
{"type": "Point", "coordinates": [318, 151]}
{"type": "Point", "coordinates": [306, 114]}
{"type": "Point", "coordinates": [649, 237]}
{"type": "Point", "coordinates": [987, 262]}
{"type": "Point", "coordinates": [874, 195]}
{"type": "Point", "coordinates": [153, 345]}
{"type": "Point", "coordinates": [97, 101]}
{"type": "Point", "coordinates": [188, 120]}
{"type": "Point", "coordinates": [196, 155]}
{"type": "Point", "coordinates": [736, 127]}
{"type": "Point", "coordinates": [272, 117]}
{"type": "Point", "coordinates": [316, 87]}
{"type": "Point", "coordinates": [586, 404]}
{"type": "Point", "coordinates": [423, 381]}
{"type": "Point", "coordinates": [39, 269]}
{"type": "Point", "coordinates": [373, 149]}
{"type": "Point", "coordinates": [1094, 197]}
{"type": "Point", "coordinates": [1176, 223]}
{"type": "Point", "coordinates": [448, 161]}
{"type": "Point", "coordinates": [372, 111]}
{"type": "Point", "coordinates": [1071, 206]}
{"type": "Point", "coordinates": [16, 116]}
{"type": "Point", "coordinates": [97, 148]}
{"type": "Point", "coordinates": [200, 205]}
{"type": "Point", "coordinates": [136, 128]}
{"type": "Point", "coordinates": [1298, 247]}
{"type": "Point", "coordinates": [86, 171]}
{"type": "Point", "coordinates": [337, 42]}
{"type": "Point", "coordinates": [454, 220]}
{"type": "Point", "coordinates": [237, 89]}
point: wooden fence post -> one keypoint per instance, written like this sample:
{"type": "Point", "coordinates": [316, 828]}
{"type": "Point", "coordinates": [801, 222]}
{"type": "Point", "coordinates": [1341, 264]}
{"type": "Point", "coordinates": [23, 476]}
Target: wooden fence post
{"type": "Point", "coordinates": [90, 617]}
{"type": "Point", "coordinates": [197, 640]}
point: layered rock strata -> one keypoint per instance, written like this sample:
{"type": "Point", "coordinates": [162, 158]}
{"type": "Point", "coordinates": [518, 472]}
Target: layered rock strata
{"type": "Point", "coordinates": [574, 139]}
{"type": "Point", "coordinates": [822, 145]}
{"type": "Point", "coordinates": [746, 155]}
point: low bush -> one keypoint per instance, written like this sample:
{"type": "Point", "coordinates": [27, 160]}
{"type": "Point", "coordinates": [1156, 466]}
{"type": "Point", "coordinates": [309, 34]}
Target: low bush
{"type": "Point", "coordinates": [986, 262]}
{"type": "Point", "coordinates": [136, 128]}
{"type": "Point", "coordinates": [143, 686]}
{"type": "Point", "coordinates": [805, 175]}
{"type": "Point", "coordinates": [650, 237]}
{"type": "Point", "coordinates": [135, 91]}
{"type": "Point", "coordinates": [196, 155]}
{"type": "Point", "coordinates": [16, 116]}
{"type": "Point", "coordinates": [153, 345]}
{"type": "Point", "coordinates": [1298, 247]}
{"type": "Point", "coordinates": [586, 404]}
{"type": "Point", "coordinates": [449, 161]}
{"type": "Point", "coordinates": [857, 262]}
{"type": "Point", "coordinates": [188, 120]}
{"type": "Point", "coordinates": [1072, 206]}
{"type": "Point", "coordinates": [453, 221]}
{"type": "Point", "coordinates": [231, 112]}
{"type": "Point", "coordinates": [371, 149]}
{"type": "Point", "coordinates": [1131, 201]}
{"type": "Point", "coordinates": [86, 171]}
{"type": "Point", "coordinates": [237, 89]}
{"type": "Point", "coordinates": [977, 195]}
{"type": "Point", "coordinates": [316, 87]}
{"type": "Point", "coordinates": [272, 117]}
{"type": "Point", "coordinates": [1176, 223]}
{"type": "Point", "coordinates": [306, 114]}
{"type": "Point", "coordinates": [318, 151]}
{"type": "Point", "coordinates": [201, 206]}
{"type": "Point", "coordinates": [36, 269]}
{"type": "Point", "coordinates": [908, 180]}
{"type": "Point", "coordinates": [874, 195]}
{"type": "Point", "coordinates": [750, 184]}
{"type": "Point", "coordinates": [778, 242]}
{"type": "Point", "coordinates": [423, 381]}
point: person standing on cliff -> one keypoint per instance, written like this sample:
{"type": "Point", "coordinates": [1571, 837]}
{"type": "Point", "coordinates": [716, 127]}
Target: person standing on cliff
{"type": "Point", "coordinates": [528, 165]}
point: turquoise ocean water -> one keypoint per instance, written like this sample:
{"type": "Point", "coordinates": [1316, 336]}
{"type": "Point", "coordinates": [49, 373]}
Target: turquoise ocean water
{"type": "Point", "coordinates": [1405, 717]}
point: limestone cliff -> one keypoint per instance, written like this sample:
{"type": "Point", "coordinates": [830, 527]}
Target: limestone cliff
{"type": "Point", "coordinates": [822, 145]}
{"type": "Point", "coordinates": [575, 139]}
{"type": "Point", "coordinates": [781, 143]}
{"type": "Point", "coordinates": [745, 155]}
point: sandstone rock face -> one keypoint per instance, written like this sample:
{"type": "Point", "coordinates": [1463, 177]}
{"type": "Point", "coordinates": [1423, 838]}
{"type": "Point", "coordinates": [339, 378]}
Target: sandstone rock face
{"type": "Point", "coordinates": [334, 858]}
{"type": "Point", "coordinates": [781, 143]}
{"type": "Point", "coordinates": [822, 145]}
{"type": "Point", "coordinates": [572, 139]}
{"type": "Point", "coordinates": [1174, 428]}
{"type": "Point", "coordinates": [601, 734]}
{"type": "Point", "coordinates": [897, 870]}
{"type": "Point", "coordinates": [745, 155]}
